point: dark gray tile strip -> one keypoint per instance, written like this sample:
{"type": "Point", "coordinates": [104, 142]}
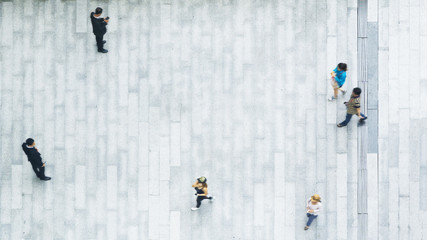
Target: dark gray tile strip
{"type": "Point", "coordinates": [362, 131]}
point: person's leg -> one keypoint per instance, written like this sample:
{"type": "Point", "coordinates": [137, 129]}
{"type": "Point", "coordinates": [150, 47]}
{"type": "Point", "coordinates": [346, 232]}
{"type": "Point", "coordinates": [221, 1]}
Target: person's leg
{"type": "Point", "coordinates": [347, 120]}
{"type": "Point", "coordinates": [199, 200]}
{"type": "Point", "coordinates": [335, 92]}
{"type": "Point", "coordinates": [310, 219]}
{"type": "Point", "coordinates": [335, 88]}
{"type": "Point", "coordinates": [342, 90]}
{"type": "Point", "coordinates": [99, 43]}
{"type": "Point", "coordinates": [41, 171]}
{"type": "Point", "coordinates": [36, 170]}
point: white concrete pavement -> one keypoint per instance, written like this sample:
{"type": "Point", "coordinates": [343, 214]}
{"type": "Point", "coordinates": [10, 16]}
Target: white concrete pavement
{"type": "Point", "coordinates": [232, 90]}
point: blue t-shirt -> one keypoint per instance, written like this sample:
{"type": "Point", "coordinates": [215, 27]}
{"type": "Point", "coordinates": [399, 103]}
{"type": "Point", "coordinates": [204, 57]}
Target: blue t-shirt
{"type": "Point", "coordinates": [340, 76]}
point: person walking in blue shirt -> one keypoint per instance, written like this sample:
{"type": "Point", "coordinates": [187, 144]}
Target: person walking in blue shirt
{"type": "Point", "coordinates": [338, 79]}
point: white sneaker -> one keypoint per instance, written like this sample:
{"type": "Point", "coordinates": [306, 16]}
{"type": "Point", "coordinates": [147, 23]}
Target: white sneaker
{"type": "Point", "coordinates": [332, 98]}
{"type": "Point", "coordinates": [194, 208]}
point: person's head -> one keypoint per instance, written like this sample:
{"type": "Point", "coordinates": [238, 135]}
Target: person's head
{"type": "Point", "coordinates": [30, 142]}
{"type": "Point", "coordinates": [202, 180]}
{"type": "Point", "coordinates": [315, 199]}
{"type": "Point", "coordinates": [357, 91]}
{"type": "Point", "coordinates": [342, 67]}
{"type": "Point", "coordinates": [98, 11]}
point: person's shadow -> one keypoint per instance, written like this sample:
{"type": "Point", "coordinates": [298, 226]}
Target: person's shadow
{"type": "Point", "coordinates": [361, 123]}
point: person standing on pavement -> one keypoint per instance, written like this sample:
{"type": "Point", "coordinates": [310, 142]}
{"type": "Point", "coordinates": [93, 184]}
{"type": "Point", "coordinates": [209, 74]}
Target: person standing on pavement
{"type": "Point", "coordinates": [201, 188]}
{"type": "Point", "coordinates": [339, 74]}
{"type": "Point", "coordinates": [353, 107]}
{"type": "Point", "coordinates": [99, 28]}
{"type": "Point", "coordinates": [314, 206]}
{"type": "Point", "coordinates": [34, 157]}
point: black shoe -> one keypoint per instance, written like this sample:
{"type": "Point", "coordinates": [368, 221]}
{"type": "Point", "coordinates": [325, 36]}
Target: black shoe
{"type": "Point", "coordinates": [103, 51]}
{"type": "Point", "coordinates": [45, 178]}
{"type": "Point", "coordinates": [104, 41]}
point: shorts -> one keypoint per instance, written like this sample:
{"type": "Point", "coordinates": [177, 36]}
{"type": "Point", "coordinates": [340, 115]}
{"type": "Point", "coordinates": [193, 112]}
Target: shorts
{"type": "Point", "coordinates": [335, 84]}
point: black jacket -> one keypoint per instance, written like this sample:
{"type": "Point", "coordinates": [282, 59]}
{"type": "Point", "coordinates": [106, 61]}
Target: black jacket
{"type": "Point", "coordinates": [98, 25]}
{"type": "Point", "coordinates": [33, 155]}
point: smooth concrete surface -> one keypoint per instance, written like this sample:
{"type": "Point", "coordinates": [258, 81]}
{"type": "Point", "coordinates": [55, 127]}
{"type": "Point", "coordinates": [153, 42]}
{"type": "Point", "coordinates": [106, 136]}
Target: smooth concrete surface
{"type": "Point", "coordinates": [233, 90]}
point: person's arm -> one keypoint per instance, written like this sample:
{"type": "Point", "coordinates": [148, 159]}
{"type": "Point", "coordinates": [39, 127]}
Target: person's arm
{"type": "Point", "coordinates": [24, 148]}
{"type": "Point", "coordinates": [38, 159]}
{"type": "Point", "coordinates": [205, 190]}
{"type": "Point", "coordinates": [318, 210]}
{"type": "Point", "coordinates": [195, 184]}
{"type": "Point", "coordinates": [357, 106]}
{"type": "Point", "coordinates": [334, 72]}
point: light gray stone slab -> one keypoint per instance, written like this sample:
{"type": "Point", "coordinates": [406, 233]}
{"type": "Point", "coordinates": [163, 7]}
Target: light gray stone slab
{"type": "Point", "coordinates": [81, 16]}
{"type": "Point", "coordinates": [112, 187]}
{"type": "Point", "coordinates": [393, 203]}
{"type": "Point", "coordinates": [423, 188]}
{"type": "Point", "coordinates": [80, 187]}
{"type": "Point", "coordinates": [424, 214]}
{"type": "Point", "coordinates": [7, 23]}
{"type": "Point", "coordinates": [175, 225]}
{"type": "Point", "coordinates": [372, 165]}
{"type": "Point", "coordinates": [373, 11]}
{"type": "Point", "coordinates": [153, 213]}
{"type": "Point", "coordinates": [111, 225]}
{"type": "Point", "coordinates": [414, 213]}
{"type": "Point", "coordinates": [16, 203]}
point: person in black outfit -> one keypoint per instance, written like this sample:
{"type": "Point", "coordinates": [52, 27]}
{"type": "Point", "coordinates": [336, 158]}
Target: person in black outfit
{"type": "Point", "coordinates": [34, 158]}
{"type": "Point", "coordinates": [99, 28]}
{"type": "Point", "coordinates": [201, 188]}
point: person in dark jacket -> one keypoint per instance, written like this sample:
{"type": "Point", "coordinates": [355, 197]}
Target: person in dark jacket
{"type": "Point", "coordinates": [201, 188]}
{"type": "Point", "coordinates": [34, 157]}
{"type": "Point", "coordinates": [99, 28]}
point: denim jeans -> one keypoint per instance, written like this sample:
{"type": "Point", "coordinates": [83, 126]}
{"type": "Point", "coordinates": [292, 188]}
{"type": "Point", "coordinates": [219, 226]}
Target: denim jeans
{"type": "Point", "coordinates": [311, 217]}
{"type": "Point", "coordinates": [348, 118]}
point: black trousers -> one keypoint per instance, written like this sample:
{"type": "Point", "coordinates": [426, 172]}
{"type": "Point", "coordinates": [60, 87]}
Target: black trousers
{"type": "Point", "coordinates": [39, 171]}
{"type": "Point", "coordinates": [200, 199]}
{"type": "Point", "coordinates": [100, 41]}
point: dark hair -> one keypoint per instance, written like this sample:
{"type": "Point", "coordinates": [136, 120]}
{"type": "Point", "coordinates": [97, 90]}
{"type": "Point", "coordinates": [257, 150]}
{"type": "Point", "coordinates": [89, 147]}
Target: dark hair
{"type": "Point", "coordinates": [357, 91]}
{"type": "Point", "coordinates": [98, 10]}
{"type": "Point", "coordinates": [342, 66]}
{"type": "Point", "coordinates": [29, 141]}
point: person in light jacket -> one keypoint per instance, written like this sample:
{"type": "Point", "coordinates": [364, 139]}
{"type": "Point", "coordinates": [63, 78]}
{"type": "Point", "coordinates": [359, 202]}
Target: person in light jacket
{"type": "Point", "coordinates": [314, 206]}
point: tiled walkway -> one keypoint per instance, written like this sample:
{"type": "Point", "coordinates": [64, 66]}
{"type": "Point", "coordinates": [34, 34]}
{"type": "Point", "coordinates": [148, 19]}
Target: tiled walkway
{"type": "Point", "coordinates": [234, 90]}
